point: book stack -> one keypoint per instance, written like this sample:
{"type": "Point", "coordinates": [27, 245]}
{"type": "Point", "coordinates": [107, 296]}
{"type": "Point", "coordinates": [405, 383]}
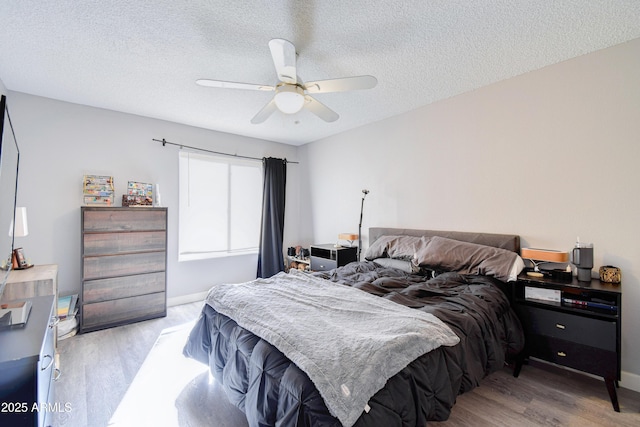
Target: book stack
{"type": "Point", "coordinates": [593, 303]}
{"type": "Point", "coordinates": [97, 190]}
{"type": "Point", "coordinates": [67, 311]}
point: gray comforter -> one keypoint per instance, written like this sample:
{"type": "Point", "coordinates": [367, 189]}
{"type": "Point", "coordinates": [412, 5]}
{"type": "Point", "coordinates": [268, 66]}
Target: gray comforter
{"type": "Point", "coordinates": [273, 391]}
{"type": "Point", "coordinates": [332, 331]}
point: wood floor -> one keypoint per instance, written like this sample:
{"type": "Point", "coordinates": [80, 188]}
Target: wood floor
{"type": "Point", "coordinates": [98, 367]}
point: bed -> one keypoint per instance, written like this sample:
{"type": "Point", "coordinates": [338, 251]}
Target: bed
{"type": "Point", "coordinates": [315, 350]}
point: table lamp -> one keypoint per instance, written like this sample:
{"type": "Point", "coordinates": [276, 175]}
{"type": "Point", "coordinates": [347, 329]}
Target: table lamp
{"type": "Point", "coordinates": [349, 237]}
{"type": "Point", "coordinates": [543, 256]}
{"type": "Point", "coordinates": [21, 229]}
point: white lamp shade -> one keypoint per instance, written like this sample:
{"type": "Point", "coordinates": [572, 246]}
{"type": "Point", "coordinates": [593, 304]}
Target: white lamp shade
{"type": "Point", "coordinates": [289, 99]}
{"type": "Point", "coordinates": [21, 228]}
{"type": "Point", "coordinates": [547, 255]}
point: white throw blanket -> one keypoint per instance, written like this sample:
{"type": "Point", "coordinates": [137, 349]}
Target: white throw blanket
{"type": "Point", "coordinates": [347, 341]}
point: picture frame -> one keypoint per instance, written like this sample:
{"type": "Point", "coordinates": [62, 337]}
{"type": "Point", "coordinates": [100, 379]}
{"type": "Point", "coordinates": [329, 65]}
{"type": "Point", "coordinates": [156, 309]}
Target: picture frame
{"type": "Point", "coordinates": [19, 259]}
{"type": "Point", "coordinates": [138, 194]}
{"type": "Point", "coordinates": [98, 190]}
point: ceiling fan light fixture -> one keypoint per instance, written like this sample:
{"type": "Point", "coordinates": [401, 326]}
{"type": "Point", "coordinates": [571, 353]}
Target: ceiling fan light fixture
{"type": "Point", "coordinates": [289, 99]}
{"type": "Point", "coordinates": [291, 94]}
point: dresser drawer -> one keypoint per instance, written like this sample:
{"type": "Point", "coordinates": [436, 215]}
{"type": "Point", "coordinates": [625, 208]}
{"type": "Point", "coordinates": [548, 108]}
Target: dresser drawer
{"type": "Point", "coordinates": [127, 219]}
{"type": "Point", "coordinates": [577, 356]}
{"type": "Point", "coordinates": [569, 327]}
{"type": "Point", "coordinates": [122, 265]}
{"type": "Point", "coordinates": [322, 264]}
{"type": "Point", "coordinates": [122, 287]}
{"type": "Point", "coordinates": [46, 367]}
{"type": "Point", "coordinates": [110, 313]}
{"type": "Point", "coordinates": [120, 243]}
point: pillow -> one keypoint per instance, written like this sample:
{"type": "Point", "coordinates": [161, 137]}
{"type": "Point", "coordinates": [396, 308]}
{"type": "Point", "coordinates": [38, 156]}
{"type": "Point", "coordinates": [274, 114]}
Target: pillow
{"type": "Point", "coordinates": [400, 264]}
{"type": "Point", "coordinates": [398, 247]}
{"type": "Point", "coordinates": [469, 258]}
{"type": "Point", "coordinates": [517, 267]}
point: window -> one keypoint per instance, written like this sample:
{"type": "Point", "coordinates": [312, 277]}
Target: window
{"type": "Point", "coordinates": [220, 206]}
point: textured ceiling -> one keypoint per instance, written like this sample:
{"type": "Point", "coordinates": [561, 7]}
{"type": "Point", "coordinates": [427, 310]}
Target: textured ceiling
{"type": "Point", "coordinates": [143, 57]}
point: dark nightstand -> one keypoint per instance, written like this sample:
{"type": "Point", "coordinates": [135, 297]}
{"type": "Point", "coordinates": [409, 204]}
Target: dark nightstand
{"type": "Point", "coordinates": [328, 256]}
{"type": "Point", "coordinates": [580, 331]}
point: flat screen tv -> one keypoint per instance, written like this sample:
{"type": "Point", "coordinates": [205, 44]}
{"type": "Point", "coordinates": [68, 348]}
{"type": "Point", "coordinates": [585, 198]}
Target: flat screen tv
{"type": "Point", "coordinates": [9, 162]}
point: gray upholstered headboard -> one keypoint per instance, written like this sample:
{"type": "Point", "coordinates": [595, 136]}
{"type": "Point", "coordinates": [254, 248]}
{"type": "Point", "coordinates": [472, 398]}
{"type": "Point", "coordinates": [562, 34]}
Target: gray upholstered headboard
{"type": "Point", "coordinates": [510, 242]}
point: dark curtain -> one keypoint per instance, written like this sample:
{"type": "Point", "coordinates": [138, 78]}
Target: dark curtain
{"type": "Point", "coordinates": [270, 255]}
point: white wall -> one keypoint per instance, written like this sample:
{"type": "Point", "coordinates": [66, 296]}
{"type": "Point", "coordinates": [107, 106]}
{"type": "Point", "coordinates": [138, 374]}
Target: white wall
{"type": "Point", "coordinates": [60, 142]}
{"type": "Point", "coordinates": [549, 155]}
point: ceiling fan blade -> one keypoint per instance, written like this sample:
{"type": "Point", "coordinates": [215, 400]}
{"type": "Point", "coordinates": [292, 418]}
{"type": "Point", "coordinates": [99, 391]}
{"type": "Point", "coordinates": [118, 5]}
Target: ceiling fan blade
{"type": "Point", "coordinates": [264, 114]}
{"type": "Point", "coordinates": [320, 110]}
{"type": "Point", "coordinates": [283, 53]}
{"type": "Point", "coordinates": [233, 85]}
{"type": "Point", "coordinates": [341, 85]}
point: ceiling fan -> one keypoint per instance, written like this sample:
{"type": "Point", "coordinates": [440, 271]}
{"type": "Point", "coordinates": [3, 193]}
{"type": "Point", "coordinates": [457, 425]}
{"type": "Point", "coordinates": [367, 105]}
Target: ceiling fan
{"type": "Point", "coordinates": [291, 93]}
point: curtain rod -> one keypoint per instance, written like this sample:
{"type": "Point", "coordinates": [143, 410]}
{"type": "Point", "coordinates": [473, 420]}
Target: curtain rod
{"type": "Point", "coordinates": [165, 142]}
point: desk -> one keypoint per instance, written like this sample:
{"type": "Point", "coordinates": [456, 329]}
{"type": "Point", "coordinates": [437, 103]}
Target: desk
{"type": "Point", "coordinates": [27, 369]}
{"type": "Point", "coordinates": [39, 280]}
{"type": "Point", "coordinates": [33, 282]}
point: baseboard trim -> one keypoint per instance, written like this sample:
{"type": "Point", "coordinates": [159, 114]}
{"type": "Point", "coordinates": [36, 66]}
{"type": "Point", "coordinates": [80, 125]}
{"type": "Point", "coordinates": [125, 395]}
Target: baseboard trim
{"type": "Point", "coordinates": [630, 381]}
{"type": "Point", "coordinates": [186, 299]}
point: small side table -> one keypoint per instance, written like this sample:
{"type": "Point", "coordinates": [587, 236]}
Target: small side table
{"type": "Point", "coordinates": [328, 256]}
{"type": "Point", "coordinates": [580, 330]}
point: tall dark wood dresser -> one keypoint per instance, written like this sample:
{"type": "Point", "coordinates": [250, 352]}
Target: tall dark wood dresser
{"type": "Point", "coordinates": [124, 258]}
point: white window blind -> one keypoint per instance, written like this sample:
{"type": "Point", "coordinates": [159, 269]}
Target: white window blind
{"type": "Point", "coordinates": [220, 206]}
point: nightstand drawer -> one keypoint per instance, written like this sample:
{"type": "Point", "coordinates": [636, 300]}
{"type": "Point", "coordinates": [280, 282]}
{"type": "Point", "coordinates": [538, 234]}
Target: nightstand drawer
{"type": "Point", "coordinates": [322, 264]}
{"type": "Point", "coordinates": [577, 356]}
{"type": "Point", "coordinates": [569, 327]}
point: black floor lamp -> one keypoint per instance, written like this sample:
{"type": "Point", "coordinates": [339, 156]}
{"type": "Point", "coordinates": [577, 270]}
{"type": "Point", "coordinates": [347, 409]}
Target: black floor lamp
{"type": "Point", "coordinates": [364, 194]}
